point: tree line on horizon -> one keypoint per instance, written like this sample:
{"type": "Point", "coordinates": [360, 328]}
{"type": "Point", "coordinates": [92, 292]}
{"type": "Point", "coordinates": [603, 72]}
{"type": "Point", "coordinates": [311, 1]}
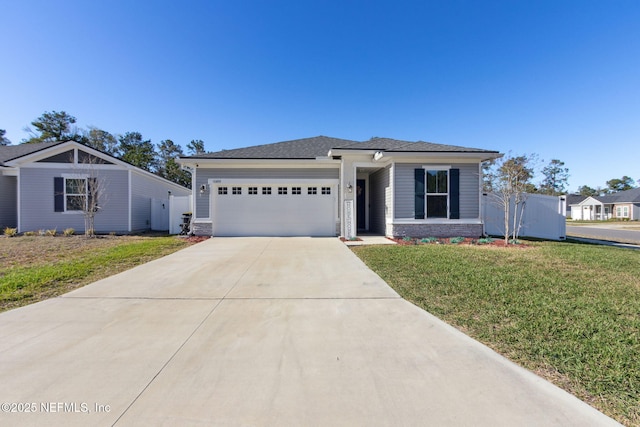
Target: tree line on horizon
{"type": "Point", "coordinates": [555, 177]}
{"type": "Point", "coordinates": [160, 159]}
{"type": "Point", "coordinates": [131, 147]}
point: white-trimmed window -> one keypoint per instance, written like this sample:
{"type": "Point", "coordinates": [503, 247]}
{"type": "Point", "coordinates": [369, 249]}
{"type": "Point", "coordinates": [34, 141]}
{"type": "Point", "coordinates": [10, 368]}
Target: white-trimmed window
{"type": "Point", "coordinates": [437, 193]}
{"type": "Point", "coordinates": [312, 190]}
{"type": "Point", "coordinates": [282, 190]}
{"type": "Point", "coordinates": [236, 190]}
{"type": "Point", "coordinates": [75, 194]}
{"type": "Point", "coordinates": [222, 190]}
{"type": "Point", "coordinates": [72, 192]}
{"type": "Point", "coordinates": [622, 211]}
{"type": "Point", "coordinates": [253, 190]}
{"type": "Point", "coordinates": [296, 190]}
{"type": "Point", "coordinates": [326, 190]}
{"type": "Point", "coordinates": [266, 190]}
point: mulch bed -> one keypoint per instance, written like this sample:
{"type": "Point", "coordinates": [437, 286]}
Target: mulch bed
{"type": "Point", "coordinates": [196, 239]}
{"type": "Point", "coordinates": [455, 241]}
{"type": "Point", "coordinates": [353, 239]}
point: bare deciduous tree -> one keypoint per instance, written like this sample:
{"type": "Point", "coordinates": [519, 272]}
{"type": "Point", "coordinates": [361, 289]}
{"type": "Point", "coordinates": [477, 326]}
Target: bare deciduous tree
{"type": "Point", "coordinates": [511, 180]}
{"type": "Point", "coordinates": [90, 188]}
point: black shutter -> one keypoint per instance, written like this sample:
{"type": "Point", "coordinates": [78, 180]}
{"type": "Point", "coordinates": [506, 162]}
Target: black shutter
{"type": "Point", "coordinates": [58, 194]}
{"type": "Point", "coordinates": [419, 193]}
{"type": "Point", "coordinates": [454, 193]}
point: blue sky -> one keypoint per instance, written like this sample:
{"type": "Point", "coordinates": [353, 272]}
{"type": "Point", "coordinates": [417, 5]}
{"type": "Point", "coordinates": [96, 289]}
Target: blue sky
{"type": "Point", "coordinates": [557, 78]}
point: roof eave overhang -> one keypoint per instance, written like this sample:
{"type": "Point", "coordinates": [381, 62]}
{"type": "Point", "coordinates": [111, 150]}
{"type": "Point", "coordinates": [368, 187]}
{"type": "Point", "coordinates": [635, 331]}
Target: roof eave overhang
{"type": "Point", "coordinates": [480, 156]}
{"type": "Point", "coordinates": [8, 171]}
{"type": "Point", "coordinates": [475, 155]}
{"type": "Point", "coordinates": [267, 163]}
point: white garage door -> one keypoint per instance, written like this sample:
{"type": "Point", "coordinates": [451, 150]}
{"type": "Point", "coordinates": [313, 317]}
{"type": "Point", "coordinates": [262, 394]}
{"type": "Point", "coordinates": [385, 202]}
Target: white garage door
{"type": "Point", "coordinates": [270, 208]}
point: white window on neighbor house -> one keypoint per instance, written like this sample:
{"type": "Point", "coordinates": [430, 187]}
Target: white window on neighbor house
{"type": "Point", "coordinates": [622, 211]}
{"type": "Point", "coordinates": [75, 194]}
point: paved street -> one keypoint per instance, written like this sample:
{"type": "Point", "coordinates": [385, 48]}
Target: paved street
{"type": "Point", "coordinates": [605, 232]}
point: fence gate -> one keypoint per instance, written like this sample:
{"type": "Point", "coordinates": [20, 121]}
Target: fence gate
{"type": "Point", "coordinates": [160, 214]}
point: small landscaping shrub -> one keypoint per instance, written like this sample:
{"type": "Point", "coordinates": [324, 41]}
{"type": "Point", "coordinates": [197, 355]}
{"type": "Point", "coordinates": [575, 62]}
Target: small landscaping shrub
{"type": "Point", "coordinates": [428, 240]}
{"type": "Point", "coordinates": [456, 240]}
{"type": "Point", "coordinates": [69, 232]}
{"type": "Point", "coordinates": [30, 233]}
{"type": "Point", "coordinates": [406, 239]}
{"type": "Point", "coordinates": [52, 232]}
{"type": "Point", "coordinates": [485, 240]}
{"type": "Point", "coordinates": [10, 232]}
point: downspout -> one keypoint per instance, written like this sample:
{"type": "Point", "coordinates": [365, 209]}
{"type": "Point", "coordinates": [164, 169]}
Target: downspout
{"type": "Point", "coordinates": [130, 200]}
{"type": "Point", "coordinates": [18, 207]}
{"type": "Point", "coordinates": [481, 212]}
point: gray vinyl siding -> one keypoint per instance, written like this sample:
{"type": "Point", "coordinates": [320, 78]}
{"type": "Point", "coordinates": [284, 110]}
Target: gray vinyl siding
{"type": "Point", "coordinates": [204, 174]}
{"type": "Point", "coordinates": [8, 202]}
{"type": "Point", "coordinates": [379, 199]}
{"type": "Point", "coordinates": [37, 201]}
{"type": "Point", "coordinates": [469, 190]}
{"type": "Point", "coordinates": [143, 189]}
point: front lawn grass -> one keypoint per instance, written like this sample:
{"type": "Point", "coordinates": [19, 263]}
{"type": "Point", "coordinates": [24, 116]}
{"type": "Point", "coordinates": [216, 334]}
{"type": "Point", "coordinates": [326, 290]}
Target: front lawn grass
{"type": "Point", "coordinates": [569, 312]}
{"type": "Point", "coordinates": [36, 268]}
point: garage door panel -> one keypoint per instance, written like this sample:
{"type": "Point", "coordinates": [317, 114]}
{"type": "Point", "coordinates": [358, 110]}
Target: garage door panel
{"type": "Point", "coordinates": [274, 215]}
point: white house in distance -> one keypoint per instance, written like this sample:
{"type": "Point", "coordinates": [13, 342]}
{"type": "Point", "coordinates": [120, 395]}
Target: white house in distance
{"type": "Point", "coordinates": [623, 205]}
{"type": "Point", "coordinates": [42, 185]}
{"type": "Point", "coordinates": [325, 186]}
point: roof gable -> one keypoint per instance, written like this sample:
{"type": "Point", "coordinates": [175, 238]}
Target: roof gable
{"type": "Point", "coordinates": [12, 152]}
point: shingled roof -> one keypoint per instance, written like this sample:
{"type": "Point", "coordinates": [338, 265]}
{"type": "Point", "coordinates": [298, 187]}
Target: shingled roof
{"type": "Point", "coordinates": [628, 196]}
{"type": "Point", "coordinates": [12, 152]}
{"type": "Point", "coordinates": [319, 146]}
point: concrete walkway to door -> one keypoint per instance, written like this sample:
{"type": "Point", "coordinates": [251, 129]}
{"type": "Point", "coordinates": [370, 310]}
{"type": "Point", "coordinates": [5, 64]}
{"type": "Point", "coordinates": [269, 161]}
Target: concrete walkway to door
{"type": "Point", "coordinates": [259, 331]}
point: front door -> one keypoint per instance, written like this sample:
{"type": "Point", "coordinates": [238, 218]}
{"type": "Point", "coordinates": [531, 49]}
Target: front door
{"type": "Point", "coordinates": [361, 205]}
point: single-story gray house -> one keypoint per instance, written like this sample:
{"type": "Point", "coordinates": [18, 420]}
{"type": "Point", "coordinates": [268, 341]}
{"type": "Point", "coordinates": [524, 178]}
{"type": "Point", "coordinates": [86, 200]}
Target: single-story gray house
{"type": "Point", "coordinates": [44, 186]}
{"type": "Point", "coordinates": [623, 205]}
{"type": "Point", "coordinates": [324, 186]}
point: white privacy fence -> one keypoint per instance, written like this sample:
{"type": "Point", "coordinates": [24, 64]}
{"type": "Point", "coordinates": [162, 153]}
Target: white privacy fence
{"type": "Point", "coordinates": [166, 214]}
{"type": "Point", "coordinates": [542, 216]}
{"type": "Point", "coordinates": [178, 207]}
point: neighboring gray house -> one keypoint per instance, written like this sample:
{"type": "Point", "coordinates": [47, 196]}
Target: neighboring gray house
{"type": "Point", "coordinates": [623, 205]}
{"type": "Point", "coordinates": [573, 199]}
{"type": "Point", "coordinates": [326, 186]}
{"type": "Point", "coordinates": [42, 185]}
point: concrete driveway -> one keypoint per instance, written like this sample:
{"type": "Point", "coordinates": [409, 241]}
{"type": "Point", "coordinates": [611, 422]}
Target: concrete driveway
{"type": "Point", "coordinates": [258, 331]}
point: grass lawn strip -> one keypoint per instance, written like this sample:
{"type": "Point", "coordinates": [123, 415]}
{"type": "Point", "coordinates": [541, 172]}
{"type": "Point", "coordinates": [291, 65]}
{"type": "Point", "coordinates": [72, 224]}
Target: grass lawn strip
{"type": "Point", "coordinates": [38, 280]}
{"type": "Point", "coordinates": [568, 312]}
